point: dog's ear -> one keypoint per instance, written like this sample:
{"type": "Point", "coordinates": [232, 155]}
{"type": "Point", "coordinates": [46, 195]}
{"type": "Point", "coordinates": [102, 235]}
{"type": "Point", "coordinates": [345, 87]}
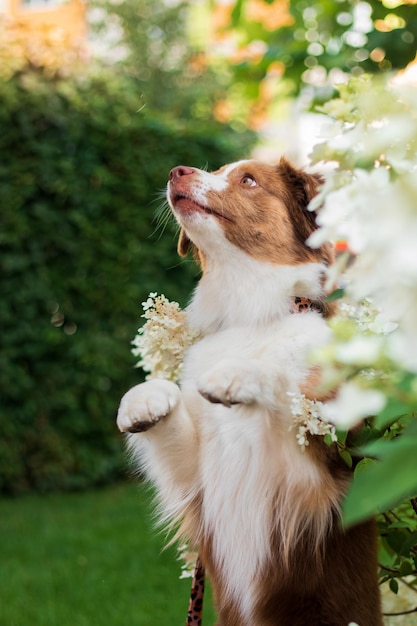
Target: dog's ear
{"type": "Point", "coordinates": [184, 243]}
{"type": "Point", "coordinates": [303, 185]}
{"type": "Point", "coordinates": [300, 187]}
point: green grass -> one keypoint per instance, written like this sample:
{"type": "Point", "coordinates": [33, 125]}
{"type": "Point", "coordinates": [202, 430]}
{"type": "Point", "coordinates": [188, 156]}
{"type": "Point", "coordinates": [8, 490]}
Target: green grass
{"type": "Point", "coordinates": [89, 559]}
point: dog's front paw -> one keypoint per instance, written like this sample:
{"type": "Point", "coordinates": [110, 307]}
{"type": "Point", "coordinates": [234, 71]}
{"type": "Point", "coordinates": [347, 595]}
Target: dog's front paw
{"type": "Point", "coordinates": [231, 382]}
{"type": "Point", "coordinates": [143, 406]}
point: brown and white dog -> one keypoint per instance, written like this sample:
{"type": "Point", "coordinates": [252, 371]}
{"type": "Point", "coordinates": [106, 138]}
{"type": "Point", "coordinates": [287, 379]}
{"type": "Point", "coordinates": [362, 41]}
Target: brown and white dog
{"type": "Point", "coordinates": [263, 513]}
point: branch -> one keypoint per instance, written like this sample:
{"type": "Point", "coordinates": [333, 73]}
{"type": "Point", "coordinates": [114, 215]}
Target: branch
{"type": "Point", "coordinates": [413, 502]}
{"type": "Point", "coordinates": [401, 613]}
{"type": "Point", "coordinates": [389, 569]}
{"type": "Point", "coordinates": [387, 517]}
{"type": "Point", "coordinates": [395, 515]}
{"type": "Point", "coordinates": [409, 585]}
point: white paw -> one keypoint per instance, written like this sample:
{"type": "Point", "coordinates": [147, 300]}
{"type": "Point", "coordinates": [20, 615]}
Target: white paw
{"type": "Point", "coordinates": [231, 382]}
{"type": "Point", "coordinates": [143, 406]}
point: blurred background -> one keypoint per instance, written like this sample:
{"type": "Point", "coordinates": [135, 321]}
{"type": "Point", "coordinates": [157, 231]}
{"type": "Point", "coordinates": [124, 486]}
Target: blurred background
{"type": "Point", "coordinates": [98, 101]}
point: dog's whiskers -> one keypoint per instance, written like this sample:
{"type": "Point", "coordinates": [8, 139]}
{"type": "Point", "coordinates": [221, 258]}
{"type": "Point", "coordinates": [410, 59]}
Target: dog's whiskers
{"type": "Point", "coordinates": [163, 214]}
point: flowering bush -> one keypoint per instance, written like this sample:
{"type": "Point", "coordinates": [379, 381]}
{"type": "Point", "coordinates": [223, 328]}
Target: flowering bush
{"type": "Point", "coordinates": [370, 201]}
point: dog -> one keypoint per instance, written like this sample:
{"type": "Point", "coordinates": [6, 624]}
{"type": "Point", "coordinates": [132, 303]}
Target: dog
{"type": "Point", "coordinates": [264, 514]}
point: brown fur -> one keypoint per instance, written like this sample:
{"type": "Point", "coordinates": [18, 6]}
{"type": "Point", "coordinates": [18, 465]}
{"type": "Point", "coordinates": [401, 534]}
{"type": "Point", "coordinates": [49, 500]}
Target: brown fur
{"type": "Point", "coordinates": [274, 213]}
{"type": "Point", "coordinates": [315, 578]}
{"type": "Point", "coordinates": [331, 591]}
{"type": "Point", "coordinates": [327, 585]}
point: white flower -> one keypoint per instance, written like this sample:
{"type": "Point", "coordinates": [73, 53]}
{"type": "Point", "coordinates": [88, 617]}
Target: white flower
{"type": "Point", "coordinates": [402, 348]}
{"type": "Point", "coordinates": [382, 325]}
{"type": "Point", "coordinates": [163, 340]}
{"type": "Point", "coordinates": [367, 317]}
{"type": "Point", "coordinates": [189, 558]}
{"type": "Point", "coordinates": [361, 350]}
{"type": "Point", "coordinates": [308, 419]}
{"type": "Point", "coordinates": [352, 404]}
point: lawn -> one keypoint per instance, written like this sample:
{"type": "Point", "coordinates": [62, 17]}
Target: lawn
{"type": "Point", "coordinates": [93, 559]}
{"type": "Point", "coordinates": [88, 559]}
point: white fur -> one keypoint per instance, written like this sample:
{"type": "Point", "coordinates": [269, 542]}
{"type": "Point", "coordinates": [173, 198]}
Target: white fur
{"type": "Point", "coordinates": [206, 181]}
{"type": "Point", "coordinates": [213, 182]}
{"type": "Point", "coordinates": [226, 438]}
{"type": "Point", "coordinates": [249, 292]}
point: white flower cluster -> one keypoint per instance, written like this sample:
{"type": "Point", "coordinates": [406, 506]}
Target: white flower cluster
{"type": "Point", "coordinates": [352, 404]}
{"type": "Point", "coordinates": [354, 355]}
{"type": "Point", "coordinates": [308, 418]}
{"type": "Point", "coordinates": [188, 558]}
{"type": "Point", "coordinates": [362, 342]}
{"type": "Point", "coordinates": [163, 340]}
{"type": "Point", "coordinates": [367, 317]}
{"type": "Point", "coordinates": [370, 201]}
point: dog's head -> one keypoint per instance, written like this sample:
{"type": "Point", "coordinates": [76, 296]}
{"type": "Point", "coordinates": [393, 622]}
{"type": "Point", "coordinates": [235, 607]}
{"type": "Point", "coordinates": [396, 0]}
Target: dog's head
{"type": "Point", "coordinates": [261, 209]}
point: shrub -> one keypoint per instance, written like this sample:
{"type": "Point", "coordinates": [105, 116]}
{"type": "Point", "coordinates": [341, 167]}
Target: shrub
{"type": "Point", "coordinates": [79, 172]}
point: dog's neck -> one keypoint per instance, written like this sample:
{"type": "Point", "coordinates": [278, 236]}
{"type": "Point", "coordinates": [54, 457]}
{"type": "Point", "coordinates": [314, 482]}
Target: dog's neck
{"type": "Point", "coordinates": [253, 294]}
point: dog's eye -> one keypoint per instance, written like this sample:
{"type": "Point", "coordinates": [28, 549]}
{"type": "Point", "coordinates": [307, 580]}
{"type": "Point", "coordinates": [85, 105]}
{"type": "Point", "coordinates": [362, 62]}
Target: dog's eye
{"type": "Point", "coordinates": [248, 181]}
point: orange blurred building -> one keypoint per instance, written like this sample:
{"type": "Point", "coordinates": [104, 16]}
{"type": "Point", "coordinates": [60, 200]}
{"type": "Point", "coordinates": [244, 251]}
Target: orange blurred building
{"type": "Point", "coordinates": [46, 33]}
{"type": "Point", "coordinates": [68, 17]}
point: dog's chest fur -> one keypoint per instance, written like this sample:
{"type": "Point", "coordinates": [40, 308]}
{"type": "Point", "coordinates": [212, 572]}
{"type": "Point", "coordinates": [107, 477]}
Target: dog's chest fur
{"type": "Point", "coordinates": [253, 477]}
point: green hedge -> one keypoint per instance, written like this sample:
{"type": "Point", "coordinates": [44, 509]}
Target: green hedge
{"type": "Point", "coordinates": [80, 168]}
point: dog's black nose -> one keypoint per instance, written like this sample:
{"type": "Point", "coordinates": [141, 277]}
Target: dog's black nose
{"type": "Point", "coordinates": [179, 171]}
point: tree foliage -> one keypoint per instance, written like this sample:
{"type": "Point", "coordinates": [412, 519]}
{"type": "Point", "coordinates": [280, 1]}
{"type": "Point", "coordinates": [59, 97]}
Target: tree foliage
{"type": "Point", "coordinates": [155, 52]}
{"type": "Point", "coordinates": [320, 40]}
{"type": "Point", "coordinates": [80, 249]}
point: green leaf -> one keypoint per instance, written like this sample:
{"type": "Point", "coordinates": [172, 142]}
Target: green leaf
{"type": "Point", "coordinates": [328, 440]}
{"type": "Point", "coordinates": [381, 447]}
{"type": "Point", "coordinates": [366, 436]}
{"type": "Point", "coordinates": [406, 569]}
{"type": "Point", "coordinates": [407, 382]}
{"type": "Point", "coordinates": [386, 556]}
{"type": "Point", "coordinates": [396, 540]}
{"type": "Point", "coordinates": [346, 457]}
{"type": "Point", "coordinates": [384, 483]}
{"type": "Point", "coordinates": [237, 13]}
{"type": "Point", "coordinates": [400, 524]}
{"type": "Point", "coordinates": [342, 435]}
{"type": "Point", "coordinates": [335, 295]}
{"type": "Point", "coordinates": [392, 410]}
{"type": "Point", "coordinates": [393, 585]}
{"type": "Point", "coordinates": [409, 543]}
{"type": "Point", "coordinates": [363, 465]}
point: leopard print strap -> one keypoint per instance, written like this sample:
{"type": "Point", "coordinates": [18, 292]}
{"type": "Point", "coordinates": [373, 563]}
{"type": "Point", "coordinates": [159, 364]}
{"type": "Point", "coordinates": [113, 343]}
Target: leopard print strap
{"type": "Point", "coordinates": [299, 304]}
{"type": "Point", "coordinates": [195, 607]}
